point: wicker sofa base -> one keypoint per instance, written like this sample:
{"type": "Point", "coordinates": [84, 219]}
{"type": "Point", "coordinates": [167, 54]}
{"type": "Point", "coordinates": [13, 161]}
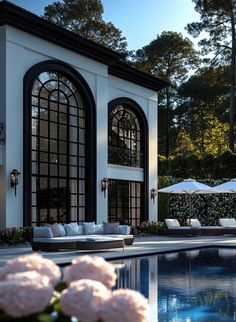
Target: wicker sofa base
{"type": "Point", "coordinates": [83, 244]}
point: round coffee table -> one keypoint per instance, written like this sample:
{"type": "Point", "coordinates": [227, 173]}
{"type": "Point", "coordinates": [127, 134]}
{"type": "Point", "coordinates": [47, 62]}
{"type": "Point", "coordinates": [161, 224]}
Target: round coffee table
{"type": "Point", "coordinates": [100, 243]}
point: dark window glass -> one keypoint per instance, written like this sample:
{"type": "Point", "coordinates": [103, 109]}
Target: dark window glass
{"type": "Point", "coordinates": [124, 137]}
{"type": "Point", "coordinates": [58, 131]}
{"type": "Point", "coordinates": [124, 202]}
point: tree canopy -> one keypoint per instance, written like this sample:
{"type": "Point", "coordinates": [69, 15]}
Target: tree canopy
{"type": "Point", "coordinates": [218, 19]}
{"type": "Point", "coordinates": [84, 17]}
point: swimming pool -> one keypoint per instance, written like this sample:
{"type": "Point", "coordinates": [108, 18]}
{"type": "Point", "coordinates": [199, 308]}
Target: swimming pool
{"type": "Point", "coordinates": [197, 285]}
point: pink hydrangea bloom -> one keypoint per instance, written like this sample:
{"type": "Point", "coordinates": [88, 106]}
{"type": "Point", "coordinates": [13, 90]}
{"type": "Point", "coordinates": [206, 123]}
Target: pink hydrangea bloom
{"type": "Point", "coordinates": [25, 293]}
{"type": "Point", "coordinates": [126, 306]}
{"type": "Point", "coordinates": [84, 300]}
{"type": "Point", "coordinates": [93, 268]}
{"type": "Point", "coordinates": [33, 262]}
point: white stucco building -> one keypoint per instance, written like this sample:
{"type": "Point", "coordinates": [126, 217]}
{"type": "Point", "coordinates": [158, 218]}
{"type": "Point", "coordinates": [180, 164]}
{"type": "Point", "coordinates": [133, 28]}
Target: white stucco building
{"type": "Point", "coordinates": [73, 114]}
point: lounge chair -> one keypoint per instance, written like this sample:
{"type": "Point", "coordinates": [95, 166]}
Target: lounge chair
{"type": "Point", "coordinates": [195, 229]}
{"type": "Point", "coordinates": [174, 229]}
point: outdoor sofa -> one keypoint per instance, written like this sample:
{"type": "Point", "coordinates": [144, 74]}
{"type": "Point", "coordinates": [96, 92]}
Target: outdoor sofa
{"type": "Point", "coordinates": [196, 229]}
{"type": "Point", "coordinates": [87, 236]}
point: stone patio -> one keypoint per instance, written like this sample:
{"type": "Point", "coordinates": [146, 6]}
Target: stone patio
{"type": "Point", "coordinates": [142, 246]}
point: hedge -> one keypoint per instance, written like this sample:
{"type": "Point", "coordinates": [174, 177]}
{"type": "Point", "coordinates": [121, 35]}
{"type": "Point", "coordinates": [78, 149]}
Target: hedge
{"type": "Point", "coordinates": [207, 208]}
{"type": "Point", "coordinates": [208, 166]}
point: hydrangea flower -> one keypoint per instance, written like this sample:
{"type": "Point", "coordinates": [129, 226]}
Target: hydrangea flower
{"type": "Point", "coordinates": [94, 268]}
{"type": "Point", "coordinates": [84, 299]}
{"type": "Point", "coordinates": [25, 293]}
{"type": "Point", "coordinates": [33, 262]}
{"type": "Point", "coordinates": [126, 306]}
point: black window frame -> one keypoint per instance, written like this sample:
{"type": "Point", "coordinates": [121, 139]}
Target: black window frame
{"type": "Point", "coordinates": [144, 141]}
{"type": "Point", "coordinates": [90, 138]}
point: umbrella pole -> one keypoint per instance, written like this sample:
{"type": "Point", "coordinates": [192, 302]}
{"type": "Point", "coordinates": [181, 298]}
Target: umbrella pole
{"type": "Point", "coordinates": [190, 210]}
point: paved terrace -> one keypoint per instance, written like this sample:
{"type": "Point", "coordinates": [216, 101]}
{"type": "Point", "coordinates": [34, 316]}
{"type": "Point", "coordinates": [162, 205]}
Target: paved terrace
{"type": "Point", "coordinates": [142, 246]}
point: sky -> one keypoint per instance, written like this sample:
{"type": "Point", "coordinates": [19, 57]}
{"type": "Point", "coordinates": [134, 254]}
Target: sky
{"type": "Point", "coordinates": [139, 20]}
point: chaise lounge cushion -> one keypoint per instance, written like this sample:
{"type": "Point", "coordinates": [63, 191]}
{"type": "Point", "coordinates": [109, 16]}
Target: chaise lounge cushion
{"type": "Point", "coordinates": [194, 223]}
{"type": "Point", "coordinates": [172, 223]}
{"type": "Point", "coordinates": [228, 222]}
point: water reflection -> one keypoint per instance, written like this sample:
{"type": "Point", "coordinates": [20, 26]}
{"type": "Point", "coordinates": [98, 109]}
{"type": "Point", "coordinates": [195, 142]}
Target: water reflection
{"type": "Point", "coordinates": [197, 285]}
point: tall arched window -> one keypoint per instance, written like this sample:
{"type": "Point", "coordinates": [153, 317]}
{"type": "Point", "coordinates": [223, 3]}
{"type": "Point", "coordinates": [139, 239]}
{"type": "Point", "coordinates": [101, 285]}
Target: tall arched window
{"type": "Point", "coordinates": [124, 137]}
{"type": "Point", "coordinates": [127, 146]}
{"type": "Point", "coordinates": [59, 114]}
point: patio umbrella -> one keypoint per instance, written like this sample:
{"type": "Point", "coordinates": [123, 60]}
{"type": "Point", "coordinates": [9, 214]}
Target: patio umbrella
{"type": "Point", "coordinates": [189, 187]}
{"type": "Point", "coordinates": [229, 186]}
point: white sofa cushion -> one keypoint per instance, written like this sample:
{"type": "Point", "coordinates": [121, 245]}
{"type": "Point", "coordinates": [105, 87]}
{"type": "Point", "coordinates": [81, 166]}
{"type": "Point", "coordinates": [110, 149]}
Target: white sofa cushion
{"type": "Point", "coordinates": [89, 228]}
{"type": "Point", "coordinates": [56, 232]}
{"type": "Point", "coordinates": [111, 228]}
{"type": "Point", "coordinates": [194, 223]}
{"type": "Point", "coordinates": [228, 222]}
{"type": "Point", "coordinates": [81, 229]}
{"type": "Point", "coordinates": [124, 229]}
{"type": "Point", "coordinates": [69, 239]}
{"type": "Point", "coordinates": [172, 223]}
{"type": "Point", "coordinates": [62, 230]}
{"type": "Point", "coordinates": [99, 229]}
{"type": "Point", "coordinates": [71, 229]}
{"type": "Point", "coordinates": [42, 232]}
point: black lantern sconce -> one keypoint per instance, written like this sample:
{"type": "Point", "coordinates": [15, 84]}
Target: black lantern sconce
{"type": "Point", "coordinates": [105, 184]}
{"type": "Point", "coordinates": [15, 178]}
{"type": "Point", "coordinates": [153, 194]}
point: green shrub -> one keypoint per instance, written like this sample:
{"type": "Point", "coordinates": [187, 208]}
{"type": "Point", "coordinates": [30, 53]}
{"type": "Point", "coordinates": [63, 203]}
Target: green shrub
{"type": "Point", "coordinates": [14, 235]}
{"type": "Point", "coordinates": [147, 228]}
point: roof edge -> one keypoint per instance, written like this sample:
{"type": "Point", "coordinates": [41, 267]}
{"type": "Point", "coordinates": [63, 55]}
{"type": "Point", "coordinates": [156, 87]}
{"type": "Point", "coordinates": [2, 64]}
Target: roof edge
{"type": "Point", "coordinates": [26, 21]}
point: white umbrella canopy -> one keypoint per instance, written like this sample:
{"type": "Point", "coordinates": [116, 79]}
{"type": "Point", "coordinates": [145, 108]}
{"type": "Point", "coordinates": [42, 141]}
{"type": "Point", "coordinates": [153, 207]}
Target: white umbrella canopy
{"type": "Point", "coordinates": [229, 186]}
{"type": "Point", "coordinates": [188, 186]}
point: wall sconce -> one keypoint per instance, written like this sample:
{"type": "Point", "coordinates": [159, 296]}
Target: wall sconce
{"type": "Point", "coordinates": [105, 184]}
{"type": "Point", "coordinates": [15, 178]}
{"type": "Point", "coordinates": [153, 194]}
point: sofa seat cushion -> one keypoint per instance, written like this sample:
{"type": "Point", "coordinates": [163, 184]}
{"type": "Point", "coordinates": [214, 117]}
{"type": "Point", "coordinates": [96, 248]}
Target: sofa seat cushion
{"type": "Point", "coordinates": [64, 239]}
{"type": "Point", "coordinates": [118, 236]}
{"type": "Point", "coordinates": [69, 239]}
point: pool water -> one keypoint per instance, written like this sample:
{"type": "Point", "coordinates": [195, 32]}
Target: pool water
{"type": "Point", "coordinates": [197, 285]}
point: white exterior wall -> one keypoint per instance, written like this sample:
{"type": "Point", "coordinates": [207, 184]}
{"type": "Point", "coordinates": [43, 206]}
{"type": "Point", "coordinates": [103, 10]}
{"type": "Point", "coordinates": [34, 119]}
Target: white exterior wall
{"type": "Point", "coordinates": [2, 119]}
{"type": "Point", "coordinates": [19, 52]}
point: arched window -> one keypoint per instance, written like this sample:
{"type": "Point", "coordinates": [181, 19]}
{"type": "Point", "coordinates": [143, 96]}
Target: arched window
{"type": "Point", "coordinates": [127, 146]}
{"type": "Point", "coordinates": [124, 137]}
{"type": "Point", "coordinates": [59, 114]}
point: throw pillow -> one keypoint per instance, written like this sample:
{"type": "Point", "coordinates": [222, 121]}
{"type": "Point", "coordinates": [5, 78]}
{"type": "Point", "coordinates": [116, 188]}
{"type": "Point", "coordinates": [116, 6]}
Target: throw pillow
{"type": "Point", "coordinates": [62, 229]}
{"type": "Point", "coordinates": [124, 229]}
{"type": "Point", "coordinates": [99, 229]}
{"type": "Point", "coordinates": [43, 232]}
{"type": "Point", "coordinates": [55, 230]}
{"type": "Point", "coordinates": [111, 228]}
{"type": "Point", "coordinates": [81, 229]}
{"type": "Point", "coordinates": [89, 228]}
{"type": "Point", "coordinates": [71, 229]}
